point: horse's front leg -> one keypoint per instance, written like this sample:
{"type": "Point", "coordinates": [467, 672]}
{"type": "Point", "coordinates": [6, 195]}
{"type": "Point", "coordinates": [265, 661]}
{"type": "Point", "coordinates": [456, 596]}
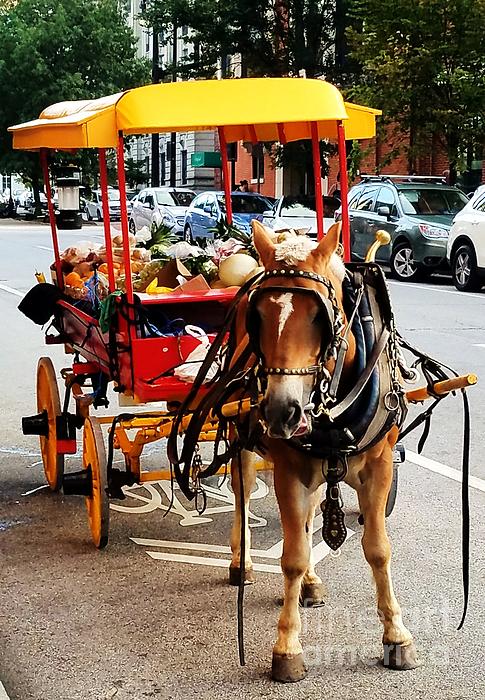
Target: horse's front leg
{"type": "Point", "coordinates": [399, 649]}
{"type": "Point", "coordinates": [295, 503]}
{"type": "Point", "coordinates": [249, 480]}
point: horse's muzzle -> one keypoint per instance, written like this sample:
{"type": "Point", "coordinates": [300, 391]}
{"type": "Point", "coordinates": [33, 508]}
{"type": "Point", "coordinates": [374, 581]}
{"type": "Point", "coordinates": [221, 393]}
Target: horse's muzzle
{"type": "Point", "coordinates": [283, 419]}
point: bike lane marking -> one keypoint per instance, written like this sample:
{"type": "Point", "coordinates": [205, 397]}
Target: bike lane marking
{"type": "Point", "coordinates": [443, 469]}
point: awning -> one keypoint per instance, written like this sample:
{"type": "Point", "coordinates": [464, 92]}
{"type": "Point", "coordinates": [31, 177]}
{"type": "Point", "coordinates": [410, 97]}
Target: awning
{"type": "Point", "coordinates": [249, 109]}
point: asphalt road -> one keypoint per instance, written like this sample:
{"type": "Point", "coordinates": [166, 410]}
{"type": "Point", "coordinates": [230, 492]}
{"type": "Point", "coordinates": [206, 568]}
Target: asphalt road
{"type": "Point", "coordinates": [148, 618]}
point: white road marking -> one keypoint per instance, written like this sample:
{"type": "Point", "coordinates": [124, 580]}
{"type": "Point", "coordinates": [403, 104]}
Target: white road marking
{"type": "Point", "coordinates": [478, 345]}
{"type": "Point", "coordinates": [463, 295]}
{"type": "Point", "coordinates": [10, 290]}
{"type": "Point", "coordinates": [3, 692]}
{"type": "Point", "coordinates": [38, 488]}
{"type": "Point", "coordinates": [319, 551]}
{"type": "Point", "coordinates": [44, 247]}
{"type": "Point", "coordinates": [434, 466]}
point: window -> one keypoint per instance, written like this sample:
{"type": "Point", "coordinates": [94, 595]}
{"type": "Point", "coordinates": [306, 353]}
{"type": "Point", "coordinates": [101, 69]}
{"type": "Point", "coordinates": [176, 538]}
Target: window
{"type": "Point", "coordinates": [366, 200]}
{"type": "Point", "coordinates": [246, 204]}
{"type": "Point", "coordinates": [301, 207]}
{"type": "Point", "coordinates": [149, 200]}
{"type": "Point", "coordinates": [479, 205]}
{"type": "Point", "coordinates": [432, 202]}
{"type": "Point", "coordinates": [183, 155]}
{"type": "Point", "coordinates": [183, 199]}
{"type": "Point", "coordinates": [200, 201]}
{"type": "Point", "coordinates": [385, 198]}
{"type": "Point", "coordinates": [165, 198]}
{"type": "Point", "coordinates": [163, 169]}
{"type": "Point", "coordinates": [354, 198]}
{"type": "Point", "coordinates": [257, 162]}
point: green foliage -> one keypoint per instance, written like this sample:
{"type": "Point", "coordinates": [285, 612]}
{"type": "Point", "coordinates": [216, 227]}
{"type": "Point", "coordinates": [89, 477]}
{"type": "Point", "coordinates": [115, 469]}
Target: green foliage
{"type": "Point", "coordinates": [423, 63]}
{"type": "Point", "coordinates": [274, 38]}
{"type": "Point", "coordinates": [161, 238]}
{"type": "Point", "coordinates": [56, 50]}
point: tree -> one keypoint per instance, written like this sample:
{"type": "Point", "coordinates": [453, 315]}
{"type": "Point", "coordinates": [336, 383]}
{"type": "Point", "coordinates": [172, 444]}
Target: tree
{"type": "Point", "coordinates": [423, 63]}
{"type": "Point", "coordinates": [56, 50]}
{"type": "Point", "coordinates": [272, 37]}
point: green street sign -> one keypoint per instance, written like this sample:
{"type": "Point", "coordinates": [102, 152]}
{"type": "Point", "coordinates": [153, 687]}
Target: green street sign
{"type": "Point", "coordinates": [206, 159]}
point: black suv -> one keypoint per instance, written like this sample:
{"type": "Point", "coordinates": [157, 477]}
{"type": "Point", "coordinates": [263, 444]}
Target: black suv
{"type": "Point", "coordinates": [416, 211]}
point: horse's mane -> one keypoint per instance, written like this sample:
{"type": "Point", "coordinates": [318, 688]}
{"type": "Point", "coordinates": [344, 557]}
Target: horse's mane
{"type": "Point", "coordinates": [292, 248]}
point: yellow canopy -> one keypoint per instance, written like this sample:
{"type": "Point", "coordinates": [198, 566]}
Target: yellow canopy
{"type": "Point", "coordinates": [268, 109]}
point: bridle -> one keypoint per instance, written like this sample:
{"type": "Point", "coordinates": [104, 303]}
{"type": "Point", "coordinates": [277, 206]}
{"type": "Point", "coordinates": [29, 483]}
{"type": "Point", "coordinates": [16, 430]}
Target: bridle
{"type": "Point", "coordinates": [332, 316]}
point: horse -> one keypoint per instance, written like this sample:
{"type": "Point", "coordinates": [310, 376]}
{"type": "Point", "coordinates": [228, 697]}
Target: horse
{"type": "Point", "coordinates": [293, 331]}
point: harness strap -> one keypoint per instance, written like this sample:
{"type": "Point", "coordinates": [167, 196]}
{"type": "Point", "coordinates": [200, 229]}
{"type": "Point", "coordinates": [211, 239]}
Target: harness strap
{"type": "Point", "coordinates": [341, 407]}
{"type": "Point", "coordinates": [342, 351]}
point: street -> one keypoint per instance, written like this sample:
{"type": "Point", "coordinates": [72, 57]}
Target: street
{"type": "Point", "coordinates": [152, 615]}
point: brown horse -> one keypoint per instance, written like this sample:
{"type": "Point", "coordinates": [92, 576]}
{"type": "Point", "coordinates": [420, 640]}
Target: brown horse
{"type": "Point", "coordinates": [290, 336]}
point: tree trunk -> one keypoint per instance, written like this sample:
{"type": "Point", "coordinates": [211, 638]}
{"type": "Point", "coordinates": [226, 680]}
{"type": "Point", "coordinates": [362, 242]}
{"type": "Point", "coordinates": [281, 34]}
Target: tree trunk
{"type": "Point", "coordinates": [36, 186]}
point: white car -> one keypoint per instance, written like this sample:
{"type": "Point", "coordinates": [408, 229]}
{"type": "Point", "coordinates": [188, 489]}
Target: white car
{"type": "Point", "coordinates": [299, 213]}
{"type": "Point", "coordinates": [466, 244]}
{"type": "Point", "coordinates": [94, 205]}
{"type": "Point", "coordinates": [157, 205]}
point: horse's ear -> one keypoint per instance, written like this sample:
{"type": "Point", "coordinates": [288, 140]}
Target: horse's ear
{"type": "Point", "coordinates": [262, 241]}
{"type": "Point", "coordinates": [329, 244]}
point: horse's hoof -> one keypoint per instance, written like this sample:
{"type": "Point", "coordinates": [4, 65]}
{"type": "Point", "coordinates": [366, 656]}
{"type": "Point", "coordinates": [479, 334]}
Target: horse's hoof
{"type": "Point", "coordinates": [312, 595]}
{"type": "Point", "coordinates": [235, 576]}
{"type": "Point", "coordinates": [400, 657]}
{"type": "Point", "coordinates": [288, 668]}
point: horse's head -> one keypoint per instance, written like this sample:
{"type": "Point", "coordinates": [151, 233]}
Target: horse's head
{"type": "Point", "coordinates": [294, 322]}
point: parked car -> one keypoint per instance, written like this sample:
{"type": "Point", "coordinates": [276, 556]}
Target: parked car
{"type": "Point", "coordinates": [208, 209]}
{"type": "Point", "coordinates": [94, 205]}
{"type": "Point", "coordinates": [25, 204]}
{"type": "Point", "coordinates": [300, 213]}
{"type": "Point", "coordinates": [416, 211]}
{"type": "Point", "coordinates": [465, 250]}
{"type": "Point", "coordinates": [158, 205]}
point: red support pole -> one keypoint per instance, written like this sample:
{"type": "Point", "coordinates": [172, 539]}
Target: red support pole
{"type": "Point", "coordinates": [103, 171]}
{"type": "Point", "coordinates": [317, 173]}
{"type": "Point", "coordinates": [124, 217]}
{"type": "Point", "coordinates": [226, 177]}
{"type": "Point", "coordinates": [52, 216]}
{"type": "Point", "coordinates": [344, 190]}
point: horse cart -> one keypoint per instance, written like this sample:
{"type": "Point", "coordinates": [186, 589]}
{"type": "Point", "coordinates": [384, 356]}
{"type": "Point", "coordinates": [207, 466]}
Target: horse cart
{"type": "Point", "coordinates": [133, 354]}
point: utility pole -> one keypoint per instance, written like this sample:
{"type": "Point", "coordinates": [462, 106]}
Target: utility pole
{"type": "Point", "coordinates": [155, 179]}
{"type": "Point", "coordinates": [173, 135]}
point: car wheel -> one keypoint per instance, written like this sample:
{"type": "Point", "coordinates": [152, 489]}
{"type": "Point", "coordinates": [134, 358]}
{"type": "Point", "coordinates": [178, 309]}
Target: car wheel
{"type": "Point", "coordinates": [188, 234]}
{"type": "Point", "coordinates": [132, 227]}
{"type": "Point", "coordinates": [464, 270]}
{"type": "Point", "coordinates": [403, 265]}
{"type": "Point", "coordinates": [99, 215]}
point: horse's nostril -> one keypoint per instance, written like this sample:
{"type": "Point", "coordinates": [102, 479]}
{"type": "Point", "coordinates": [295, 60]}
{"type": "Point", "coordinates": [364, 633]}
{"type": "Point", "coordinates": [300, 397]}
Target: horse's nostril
{"type": "Point", "coordinates": [293, 413]}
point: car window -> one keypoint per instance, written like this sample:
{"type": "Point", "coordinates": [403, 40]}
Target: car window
{"type": "Point", "coordinates": [354, 198]}
{"type": "Point", "coordinates": [385, 198]}
{"type": "Point", "coordinates": [245, 205]}
{"type": "Point", "coordinates": [330, 206]}
{"type": "Point", "coordinates": [430, 202]}
{"type": "Point", "coordinates": [114, 195]}
{"type": "Point", "coordinates": [183, 199]}
{"type": "Point", "coordinates": [366, 200]}
{"type": "Point", "coordinates": [165, 198]}
{"type": "Point", "coordinates": [149, 200]}
{"type": "Point", "coordinates": [479, 205]}
{"type": "Point", "coordinates": [301, 207]}
{"type": "Point", "coordinates": [141, 197]}
{"type": "Point", "coordinates": [199, 201]}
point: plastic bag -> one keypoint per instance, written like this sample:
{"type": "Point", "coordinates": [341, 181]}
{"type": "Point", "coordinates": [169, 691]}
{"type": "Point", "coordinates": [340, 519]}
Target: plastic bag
{"type": "Point", "coordinates": [193, 362]}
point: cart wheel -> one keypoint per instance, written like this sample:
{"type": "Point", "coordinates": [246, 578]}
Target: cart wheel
{"type": "Point", "coordinates": [48, 400]}
{"type": "Point", "coordinates": [94, 460]}
{"type": "Point", "coordinates": [391, 499]}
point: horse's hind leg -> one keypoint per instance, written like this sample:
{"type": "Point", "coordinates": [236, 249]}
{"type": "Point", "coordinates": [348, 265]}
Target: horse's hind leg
{"type": "Point", "coordinates": [313, 591]}
{"type": "Point", "coordinates": [249, 480]}
{"type": "Point", "coordinates": [399, 649]}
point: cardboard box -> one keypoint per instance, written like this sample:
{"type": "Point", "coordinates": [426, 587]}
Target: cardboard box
{"type": "Point", "coordinates": [167, 276]}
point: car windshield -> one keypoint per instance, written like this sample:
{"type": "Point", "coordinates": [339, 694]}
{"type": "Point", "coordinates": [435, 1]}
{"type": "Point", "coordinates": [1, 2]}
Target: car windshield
{"type": "Point", "coordinates": [114, 195]}
{"type": "Point", "coordinates": [431, 202]}
{"type": "Point", "coordinates": [304, 207]}
{"type": "Point", "coordinates": [168, 198]}
{"type": "Point", "coordinates": [246, 205]}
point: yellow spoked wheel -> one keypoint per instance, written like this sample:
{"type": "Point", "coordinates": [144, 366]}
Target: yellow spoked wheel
{"type": "Point", "coordinates": [94, 460]}
{"type": "Point", "coordinates": [48, 401]}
